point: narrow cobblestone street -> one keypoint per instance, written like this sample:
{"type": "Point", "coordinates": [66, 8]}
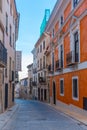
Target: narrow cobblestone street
{"type": "Point", "coordinates": [34, 115]}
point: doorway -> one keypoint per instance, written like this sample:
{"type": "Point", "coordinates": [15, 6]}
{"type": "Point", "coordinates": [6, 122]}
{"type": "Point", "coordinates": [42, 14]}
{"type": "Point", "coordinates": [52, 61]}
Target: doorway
{"type": "Point", "coordinates": [6, 96]}
{"type": "Point", "coordinates": [54, 93]}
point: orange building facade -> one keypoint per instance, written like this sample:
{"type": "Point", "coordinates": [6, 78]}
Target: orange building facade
{"type": "Point", "coordinates": [68, 40]}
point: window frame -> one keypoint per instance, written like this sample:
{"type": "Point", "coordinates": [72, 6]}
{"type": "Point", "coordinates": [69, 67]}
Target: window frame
{"type": "Point", "coordinates": [43, 44]}
{"type": "Point", "coordinates": [73, 97]}
{"type": "Point", "coordinates": [40, 48]}
{"type": "Point", "coordinates": [6, 23]}
{"type": "Point", "coordinates": [75, 3]}
{"type": "Point", "coordinates": [72, 32]}
{"type": "Point", "coordinates": [62, 94]}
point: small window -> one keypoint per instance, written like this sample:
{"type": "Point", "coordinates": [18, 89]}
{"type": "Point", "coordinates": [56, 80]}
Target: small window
{"type": "Point", "coordinates": [6, 72]}
{"type": "Point", "coordinates": [53, 33]}
{"type": "Point", "coordinates": [61, 21]}
{"type": "Point", "coordinates": [40, 48]}
{"type": "Point", "coordinates": [76, 46]}
{"type": "Point", "coordinates": [6, 23]}
{"type": "Point", "coordinates": [75, 2]}
{"type": "Point", "coordinates": [62, 87]}
{"type": "Point", "coordinates": [43, 44]}
{"type": "Point", "coordinates": [75, 88]}
{"type": "Point", "coordinates": [10, 9]}
{"type": "Point", "coordinates": [13, 41]}
{"type": "Point", "coordinates": [10, 36]}
{"type": "Point", "coordinates": [43, 61]}
{"type": "Point", "coordinates": [38, 63]}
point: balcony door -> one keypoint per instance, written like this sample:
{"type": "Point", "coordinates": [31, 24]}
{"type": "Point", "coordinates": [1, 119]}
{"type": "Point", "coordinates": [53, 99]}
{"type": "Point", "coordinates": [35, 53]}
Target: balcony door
{"type": "Point", "coordinates": [6, 96]}
{"type": "Point", "coordinates": [76, 45]}
{"type": "Point", "coordinates": [61, 55]}
{"type": "Point", "coordinates": [52, 61]}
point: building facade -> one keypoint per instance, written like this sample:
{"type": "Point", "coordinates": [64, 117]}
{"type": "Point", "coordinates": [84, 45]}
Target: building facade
{"type": "Point", "coordinates": [9, 20]}
{"type": "Point", "coordinates": [68, 63]}
{"type": "Point", "coordinates": [34, 79]}
{"type": "Point", "coordinates": [24, 89]}
{"type": "Point", "coordinates": [41, 46]}
{"type": "Point", "coordinates": [18, 65]}
{"type": "Point", "coordinates": [30, 79]}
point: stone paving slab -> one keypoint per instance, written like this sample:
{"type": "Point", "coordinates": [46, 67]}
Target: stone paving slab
{"type": "Point", "coordinates": [76, 113]}
{"type": "Point", "coordinates": [4, 117]}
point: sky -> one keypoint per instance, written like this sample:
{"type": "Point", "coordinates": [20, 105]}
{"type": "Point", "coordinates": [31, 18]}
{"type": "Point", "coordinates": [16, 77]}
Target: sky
{"type": "Point", "coordinates": [31, 16]}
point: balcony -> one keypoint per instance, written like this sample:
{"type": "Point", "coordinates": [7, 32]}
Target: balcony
{"type": "Point", "coordinates": [72, 58]}
{"type": "Point", "coordinates": [3, 55]}
{"type": "Point", "coordinates": [34, 83]}
{"type": "Point", "coordinates": [51, 68]}
{"type": "Point", "coordinates": [59, 65]}
{"type": "Point", "coordinates": [42, 80]}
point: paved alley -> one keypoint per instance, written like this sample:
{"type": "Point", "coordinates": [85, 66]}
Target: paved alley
{"type": "Point", "coordinates": [34, 115]}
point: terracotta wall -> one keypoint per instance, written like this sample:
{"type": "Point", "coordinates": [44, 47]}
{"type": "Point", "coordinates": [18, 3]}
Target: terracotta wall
{"type": "Point", "coordinates": [67, 98]}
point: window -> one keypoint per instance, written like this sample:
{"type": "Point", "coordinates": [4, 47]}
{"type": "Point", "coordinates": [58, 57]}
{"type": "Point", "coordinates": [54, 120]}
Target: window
{"type": "Point", "coordinates": [13, 41]}
{"type": "Point", "coordinates": [6, 23]}
{"type": "Point", "coordinates": [6, 72]}
{"type": "Point", "coordinates": [62, 87]}
{"type": "Point", "coordinates": [43, 44]}
{"type": "Point", "coordinates": [10, 9]}
{"type": "Point", "coordinates": [75, 87]}
{"type": "Point", "coordinates": [1, 5]}
{"type": "Point", "coordinates": [76, 46]}
{"type": "Point", "coordinates": [53, 61]}
{"type": "Point", "coordinates": [43, 61]}
{"type": "Point", "coordinates": [53, 33]}
{"type": "Point", "coordinates": [38, 63]}
{"type": "Point", "coordinates": [61, 21]}
{"type": "Point", "coordinates": [75, 2]}
{"type": "Point", "coordinates": [61, 56]}
{"type": "Point", "coordinates": [10, 68]}
{"type": "Point", "coordinates": [40, 48]}
{"type": "Point", "coordinates": [10, 35]}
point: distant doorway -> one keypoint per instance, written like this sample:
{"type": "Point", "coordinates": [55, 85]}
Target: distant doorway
{"type": "Point", "coordinates": [45, 94]}
{"type": "Point", "coordinates": [38, 93]}
{"type": "Point", "coordinates": [54, 93]}
{"type": "Point", "coordinates": [12, 92]}
{"type": "Point", "coordinates": [41, 94]}
{"type": "Point", "coordinates": [6, 96]}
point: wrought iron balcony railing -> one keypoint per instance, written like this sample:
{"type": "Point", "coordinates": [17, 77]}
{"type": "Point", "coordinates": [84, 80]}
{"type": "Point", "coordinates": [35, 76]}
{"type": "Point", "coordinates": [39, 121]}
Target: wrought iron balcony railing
{"type": "Point", "coordinates": [51, 68]}
{"type": "Point", "coordinates": [72, 58]}
{"type": "Point", "coordinates": [42, 80]}
{"type": "Point", "coordinates": [3, 55]}
{"type": "Point", "coordinates": [59, 64]}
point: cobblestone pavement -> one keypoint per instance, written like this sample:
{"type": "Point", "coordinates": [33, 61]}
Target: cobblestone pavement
{"type": "Point", "coordinates": [34, 115]}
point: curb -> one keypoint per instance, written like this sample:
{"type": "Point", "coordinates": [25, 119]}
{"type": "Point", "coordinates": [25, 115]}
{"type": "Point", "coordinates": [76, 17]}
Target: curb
{"type": "Point", "coordinates": [70, 115]}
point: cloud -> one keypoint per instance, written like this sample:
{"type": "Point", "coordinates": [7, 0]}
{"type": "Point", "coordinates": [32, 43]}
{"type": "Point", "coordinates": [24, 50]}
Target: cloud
{"type": "Point", "coordinates": [26, 60]}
